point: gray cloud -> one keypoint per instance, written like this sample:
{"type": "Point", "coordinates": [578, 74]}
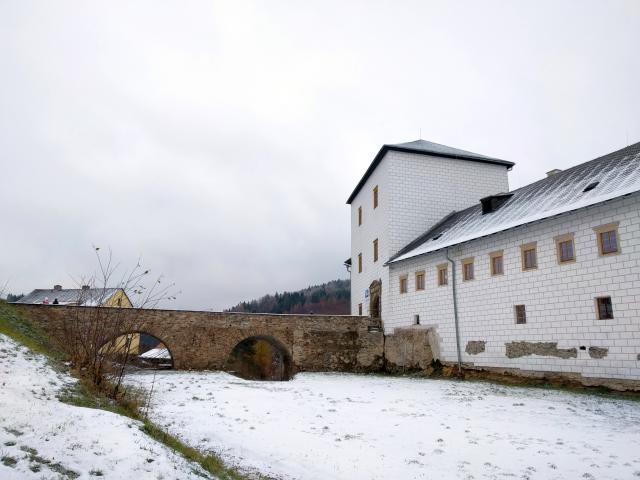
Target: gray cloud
{"type": "Point", "coordinates": [220, 140]}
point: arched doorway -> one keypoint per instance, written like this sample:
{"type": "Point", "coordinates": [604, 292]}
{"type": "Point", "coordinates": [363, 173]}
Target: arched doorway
{"type": "Point", "coordinates": [375, 292]}
{"type": "Point", "coordinates": [260, 357]}
{"type": "Point", "coordinates": [139, 350]}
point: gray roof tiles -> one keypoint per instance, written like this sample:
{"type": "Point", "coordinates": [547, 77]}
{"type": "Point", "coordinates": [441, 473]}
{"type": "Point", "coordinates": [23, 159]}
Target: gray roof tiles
{"type": "Point", "coordinates": [68, 296]}
{"type": "Point", "coordinates": [617, 174]}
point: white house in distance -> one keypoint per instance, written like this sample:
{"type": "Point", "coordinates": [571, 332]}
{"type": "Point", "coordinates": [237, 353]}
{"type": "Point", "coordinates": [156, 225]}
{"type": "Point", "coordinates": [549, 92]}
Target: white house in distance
{"type": "Point", "coordinates": [545, 278]}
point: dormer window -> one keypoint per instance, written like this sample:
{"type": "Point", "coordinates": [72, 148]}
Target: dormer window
{"type": "Point", "coordinates": [591, 186]}
{"type": "Point", "coordinates": [494, 202]}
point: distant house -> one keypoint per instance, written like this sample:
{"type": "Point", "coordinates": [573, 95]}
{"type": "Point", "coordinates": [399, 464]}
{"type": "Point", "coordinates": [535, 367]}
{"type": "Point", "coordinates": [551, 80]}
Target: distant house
{"type": "Point", "coordinates": [85, 296]}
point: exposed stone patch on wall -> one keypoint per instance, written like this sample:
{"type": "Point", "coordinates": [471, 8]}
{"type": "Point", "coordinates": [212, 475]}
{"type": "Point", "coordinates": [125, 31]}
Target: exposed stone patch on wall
{"type": "Point", "coordinates": [474, 347]}
{"type": "Point", "coordinates": [408, 349]}
{"type": "Point", "coordinates": [598, 352]}
{"type": "Point", "coordinates": [544, 349]}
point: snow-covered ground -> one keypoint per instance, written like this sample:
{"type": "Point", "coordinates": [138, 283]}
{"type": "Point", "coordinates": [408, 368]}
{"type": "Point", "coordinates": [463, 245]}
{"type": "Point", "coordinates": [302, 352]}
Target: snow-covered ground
{"type": "Point", "coordinates": [334, 426]}
{"type": "Point", "coordinates": [43, 438]}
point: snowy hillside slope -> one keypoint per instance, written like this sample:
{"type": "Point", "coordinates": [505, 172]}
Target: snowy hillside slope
{"type": "Point", "coordinates": [43, 438]}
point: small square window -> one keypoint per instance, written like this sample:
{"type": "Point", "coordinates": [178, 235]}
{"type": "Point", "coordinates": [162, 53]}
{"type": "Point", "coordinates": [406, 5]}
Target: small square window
{"type": "Point", "coordinates": [359, 216]}
{"type": "Point", "coordinates": [529, 257]}
{"type": "Point", "coordinates": [375, 250]}
{"type": "Point", "coordinates": [521, 314]}
{"type": "Point", "coordinates": [359, 263]}
{"type": "Point", "coordinates": [443, 275]}
{"type": "Point", "coordinates": [420, 281]}
{"type": "Point", "coordinates": [467, 269]}
{"type": "Point", "coordinates": [497, 264]}
{"type": "Point", "coordinates": [375, 197]}
{"type": "Point", "coordinates": [403, 284]}
{"type": "Point", "coordinates": [605, 308]}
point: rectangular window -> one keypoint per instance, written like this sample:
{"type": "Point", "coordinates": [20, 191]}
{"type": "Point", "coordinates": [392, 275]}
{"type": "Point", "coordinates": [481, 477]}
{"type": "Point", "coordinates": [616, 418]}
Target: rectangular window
{"type": "Point", "coordinates": [565, 248]}
{"type": "Point", "coordinates": [375, 250]}
{"type": "Point", "coordinates": [403, 284]}
{"type": "Point", "coordinates": [442, 275]}
{"type": "Point", "coordinates": [360, 309]}
{"type": "Point", "coordinates": [608, 239]}
{"type": "Point", "coordinates": [497, 266]}
{"type": "Point", "coordinates": [359, 216]}
{"type": "Point", "coordinates": [529, 257]}
{"type": "Point", "coordinates": [521, 314]}
{"type": "Point", "coordinates": [375, 197]}
{"type": "Point", "coordinates": [359, 263]}
{"type": "Point", "coordinates": [467, 269]}
{"type": "Point", "coordinates": [419, 280]}
{"type": "Point", "coordinates": [604, 307]}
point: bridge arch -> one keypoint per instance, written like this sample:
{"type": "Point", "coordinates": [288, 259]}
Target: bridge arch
{"type": "Point", "coordinates": [140, 348]}
{"type": "Point", "coordinates": [260, 357]}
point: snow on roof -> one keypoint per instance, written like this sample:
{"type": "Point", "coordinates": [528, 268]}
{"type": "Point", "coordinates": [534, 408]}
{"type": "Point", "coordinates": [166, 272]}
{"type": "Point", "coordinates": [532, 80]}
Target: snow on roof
{"type": "Point", "coordinates": [70, 296]}
{"type": "Point", "coordinates": [614, 175]}
{"type": "Point", "coordinates": [159, 353]}
{"type": "Point", "coordinates": [425, 147]}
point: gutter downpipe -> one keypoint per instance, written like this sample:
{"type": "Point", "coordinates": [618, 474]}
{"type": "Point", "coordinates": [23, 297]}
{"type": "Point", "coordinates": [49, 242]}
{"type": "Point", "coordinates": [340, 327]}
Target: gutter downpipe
{"type": "Point", "coordinates": [455, 310]}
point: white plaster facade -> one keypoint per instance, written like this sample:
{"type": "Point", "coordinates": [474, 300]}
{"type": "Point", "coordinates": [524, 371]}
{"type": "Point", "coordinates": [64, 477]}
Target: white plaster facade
{"type": "Point", "coordinates": [416, 191]}
{"type": "Point", "coordinates": [559, 298]}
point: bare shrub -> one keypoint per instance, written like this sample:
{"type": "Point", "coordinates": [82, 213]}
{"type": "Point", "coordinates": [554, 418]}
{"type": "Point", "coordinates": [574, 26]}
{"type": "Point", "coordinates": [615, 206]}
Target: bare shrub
{"type": "Point", "coordinates": [99, 335]}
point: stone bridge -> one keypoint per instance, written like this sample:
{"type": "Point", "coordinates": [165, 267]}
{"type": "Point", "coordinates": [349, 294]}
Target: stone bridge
{"type": "Point", "coordinates": [205, 340]}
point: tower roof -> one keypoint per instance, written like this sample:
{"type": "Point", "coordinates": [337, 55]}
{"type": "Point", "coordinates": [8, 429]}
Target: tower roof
{"type": "Point", "coordinates": [424, 147]}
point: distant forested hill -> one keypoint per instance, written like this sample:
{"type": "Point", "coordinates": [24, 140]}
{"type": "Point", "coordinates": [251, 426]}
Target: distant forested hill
{"type": "Point", "coordinates": [329, 298]}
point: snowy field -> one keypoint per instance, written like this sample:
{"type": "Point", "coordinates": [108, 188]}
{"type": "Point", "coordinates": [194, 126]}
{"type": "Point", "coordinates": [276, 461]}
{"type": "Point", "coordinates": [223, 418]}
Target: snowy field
{"type": "Point", "coordinates": [334, 426]}
{"type": "Point", "coordinates": [42, 438]}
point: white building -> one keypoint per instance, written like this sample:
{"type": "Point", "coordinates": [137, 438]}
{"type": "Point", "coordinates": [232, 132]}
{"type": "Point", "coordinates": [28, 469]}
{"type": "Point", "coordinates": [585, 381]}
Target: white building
{"type": "Point", "coordinates": [544, 278]}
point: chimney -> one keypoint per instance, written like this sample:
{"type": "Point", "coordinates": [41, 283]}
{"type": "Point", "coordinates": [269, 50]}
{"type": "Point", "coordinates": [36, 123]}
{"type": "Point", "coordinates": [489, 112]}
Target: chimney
{"type": "Point", "coordinates": [551, 173]}
{"type": "Point", "coordinates": [57, 288]}
{"type": "Point", "coordinates": [85, 287]}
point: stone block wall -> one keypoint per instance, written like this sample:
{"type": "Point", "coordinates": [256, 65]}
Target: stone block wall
{"type": "Point", "coordinates": [204, 340]}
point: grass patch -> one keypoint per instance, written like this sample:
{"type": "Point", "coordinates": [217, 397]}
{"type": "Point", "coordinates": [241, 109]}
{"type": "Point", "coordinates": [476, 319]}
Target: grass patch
{"type": "Point", "coordinates": [209, 463]}
{"type": "Point", "coordinates": [8, 461]}
{"type": "Point", "coordinates": [16, 326]}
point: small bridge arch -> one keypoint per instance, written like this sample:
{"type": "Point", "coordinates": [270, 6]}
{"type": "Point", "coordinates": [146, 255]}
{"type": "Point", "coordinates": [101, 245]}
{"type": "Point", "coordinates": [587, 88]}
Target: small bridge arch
{"type": "Point", "coordinates": [260, 357]}
{"type": "Point", "coordinates": [139, 348]}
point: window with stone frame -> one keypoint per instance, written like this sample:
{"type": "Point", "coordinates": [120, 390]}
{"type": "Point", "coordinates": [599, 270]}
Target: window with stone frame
{"type": "Point", "coordinates": [496, 263]}
{"type": "Point", "coordinates": [403, 284]}
{"type": "Point", "coordinates": [467, 269]}
{"type": "Point", "coordinates": [521, 314]}
{"type": "Point", "coordinates": [604, 308]}
{"type": "Point", "coordinates": [360, 309]}
{"type": "Point", "coordinates": [359, 216]}
{"type": "Point", "coordinates": [375, 250]}
{"type": "Point", "coordinates": [443, 274]}
{"type": "Point", "coordinates": [359, 263]}
{"type": "Point", "coordinates": [419, 280]}
{"type": "Point", "coordinates": [529, 256]}
{"type": "Point", "coordinates": [565, 248]}
{"type": "Point", "coordinates": [375, 197]}
{"type": "Point", "coordinates": [608, 239]}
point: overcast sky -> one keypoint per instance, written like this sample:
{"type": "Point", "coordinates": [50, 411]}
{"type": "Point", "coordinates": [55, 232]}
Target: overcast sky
{"type": "Point", "coordinates": [220, 140]}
